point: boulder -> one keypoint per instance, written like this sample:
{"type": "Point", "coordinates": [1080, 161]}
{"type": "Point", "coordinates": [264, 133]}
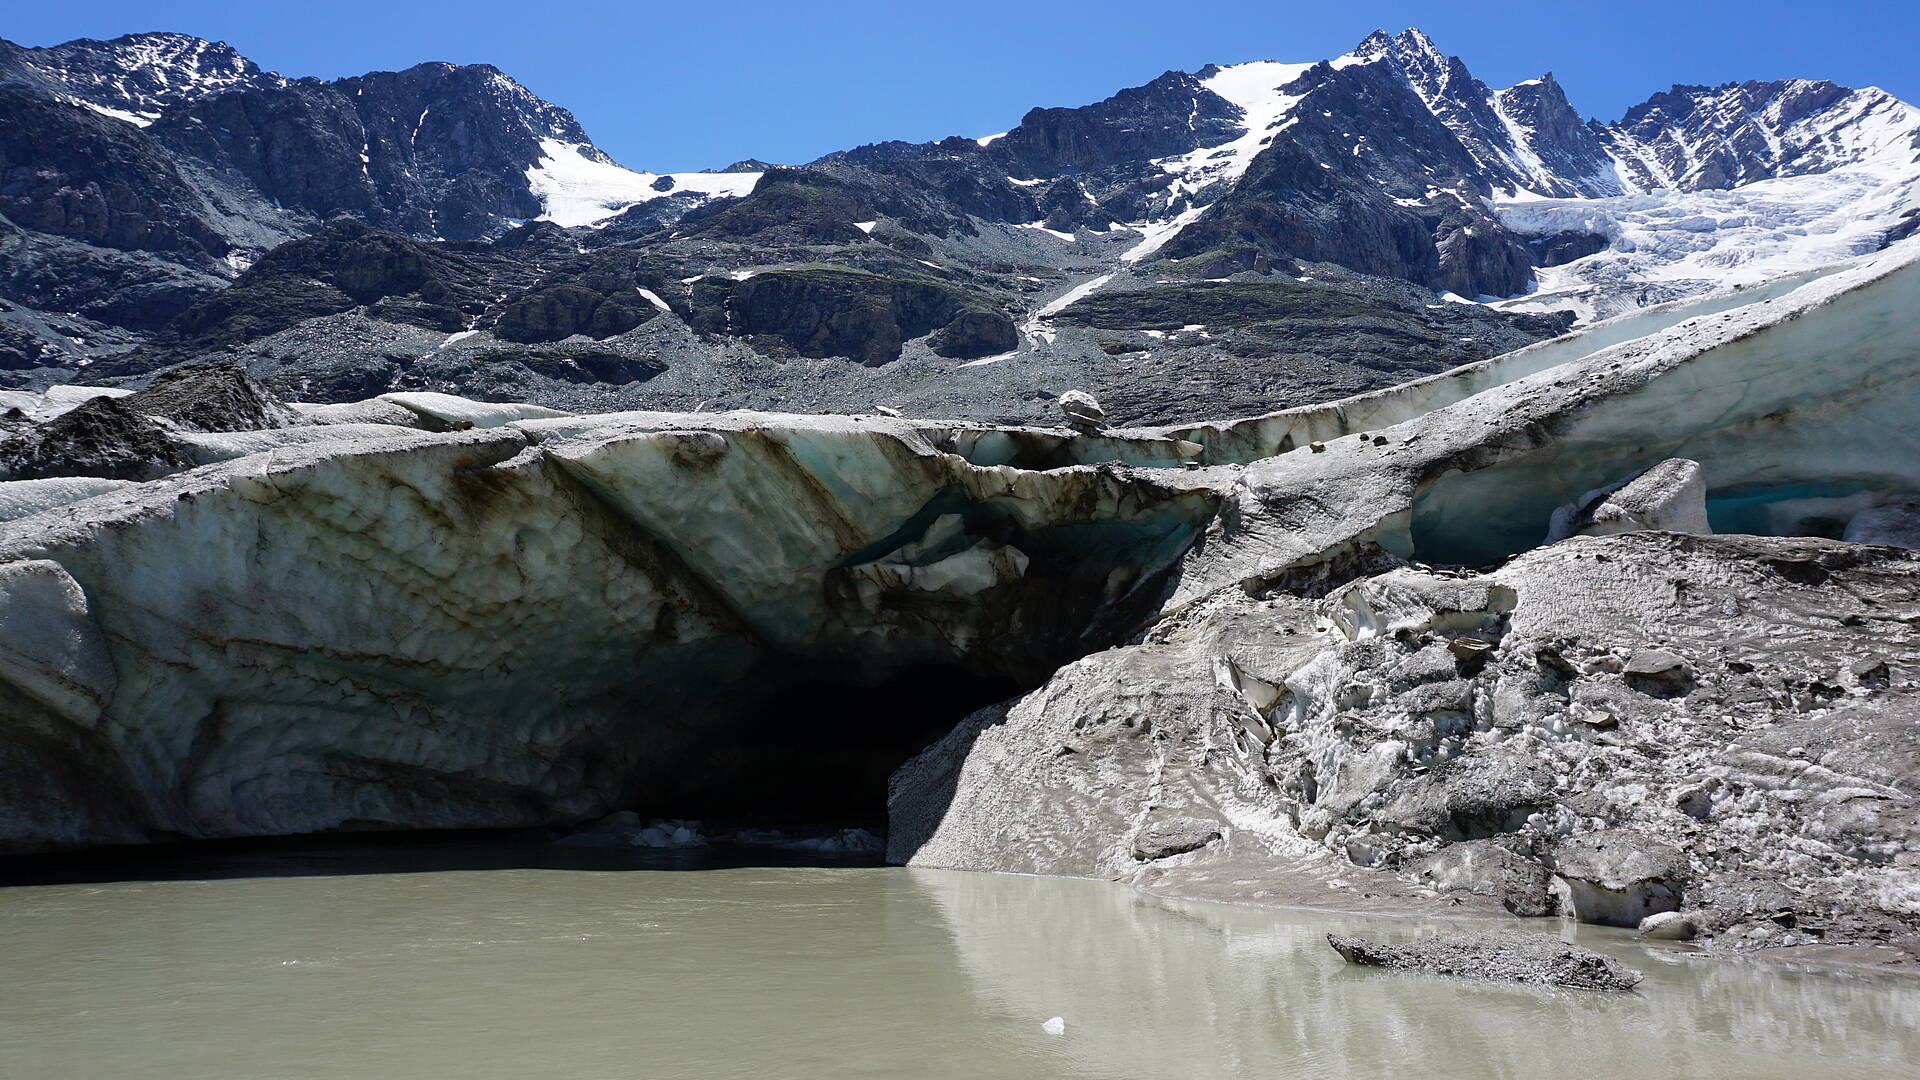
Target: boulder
{"type": "Point", "coordinates": [1670, 496]}
{"type": "Point", "coordinates": [1659, 673]}
{"type": "Point", "coordinates": [1522, 885]}
{"type": "Point", "coordinates": [1506, 957]}
{"type": "Point", "coordinates": [1166, 837]}
{"type": "Point", "coordinates": [1668, 926]}
{"type": "Point", "coordinates": [1474, 797]}
{"type": "Point", "coordinates": [1081, 410]}
{"type": "Point", "coordinates": [1617, 877]}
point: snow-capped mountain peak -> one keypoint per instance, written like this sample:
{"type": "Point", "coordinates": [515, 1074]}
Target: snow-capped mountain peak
{"type": "Point", "coordinates": [1694, 138]}
{"type": "Point", "coordinates": [137, 77]}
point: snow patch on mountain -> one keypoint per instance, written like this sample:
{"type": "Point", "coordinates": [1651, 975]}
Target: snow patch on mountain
{"type": "Point", "coordinates": [136, 77]}
{"type": "Point", "coordinates": [1698, 137]}
{"type": "Point", "coordinates": [136, 119]}
{"type": "Point", "coordinates": [1728, 187]}
{"type": "Point", "coordinates": [1258, 89]}
{"type": "Point", "coordinates": [1035, 326]}
{"type": "Point", "coordinates": [577, 185]}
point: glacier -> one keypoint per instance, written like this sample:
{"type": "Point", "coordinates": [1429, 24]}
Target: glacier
{"type": "Point", "coordinates": [1299, 647]}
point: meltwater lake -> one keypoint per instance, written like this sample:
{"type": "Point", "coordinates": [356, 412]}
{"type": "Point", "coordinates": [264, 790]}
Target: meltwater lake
{"type": "Point", "coordinates": [428, 962]}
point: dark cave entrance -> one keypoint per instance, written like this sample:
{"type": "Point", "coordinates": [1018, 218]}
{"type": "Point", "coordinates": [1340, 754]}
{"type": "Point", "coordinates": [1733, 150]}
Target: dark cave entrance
{"type": "Point", "coordinates": [816, 753]}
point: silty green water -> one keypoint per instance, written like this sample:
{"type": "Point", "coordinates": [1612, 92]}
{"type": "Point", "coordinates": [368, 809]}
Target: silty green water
{"type": "Point", "coordinates": [769, 973]}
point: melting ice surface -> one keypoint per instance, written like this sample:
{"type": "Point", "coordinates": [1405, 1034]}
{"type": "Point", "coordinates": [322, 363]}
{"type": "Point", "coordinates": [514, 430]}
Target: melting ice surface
{"type": "Point", "coordinates": [334, 971]}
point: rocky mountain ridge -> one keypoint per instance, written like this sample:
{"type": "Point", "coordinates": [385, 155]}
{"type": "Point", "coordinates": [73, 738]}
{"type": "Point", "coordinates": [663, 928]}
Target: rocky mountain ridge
{"type": "Point", "coordinates": [975, 277]}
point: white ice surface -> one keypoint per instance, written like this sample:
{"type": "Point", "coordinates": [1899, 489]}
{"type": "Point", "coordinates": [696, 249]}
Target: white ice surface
{"type": "Point", "coordinates": [59, 400]}
{"type": "Point", "coordinates": [447, 408]}
{"type": "Point", "coordinates": [22, 498]}
{"type": "Point", "coordinates": [576, 189]}
{"type": "Point", "coordinates": [1704, 240]}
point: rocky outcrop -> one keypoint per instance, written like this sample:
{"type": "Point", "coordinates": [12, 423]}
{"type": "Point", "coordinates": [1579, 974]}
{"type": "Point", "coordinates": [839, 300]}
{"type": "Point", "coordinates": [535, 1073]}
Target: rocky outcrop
{"type": "Point", "coordinates": [211, 397]}
{"type": "Point", "coordinates": [101, 438]}
{"type": "Point", "coordinates": [838, 312]}
{"type": "Point", "coordinates": [1173, 114]}
{"type": "Point", "coordinates": [71, 172]}
{"type": "Point", "coordinates": [1528, 958]}
{"type": "Point", "coordinates": [347, 266]}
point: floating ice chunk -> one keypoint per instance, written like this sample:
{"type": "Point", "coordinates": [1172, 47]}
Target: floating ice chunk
{"type": "Point", "coordinates": [1055, 1026]}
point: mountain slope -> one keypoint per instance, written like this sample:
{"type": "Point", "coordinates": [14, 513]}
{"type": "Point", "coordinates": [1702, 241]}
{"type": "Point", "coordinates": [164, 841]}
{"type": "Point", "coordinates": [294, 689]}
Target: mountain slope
{"type": "Point", "coordinates": [452, 231]}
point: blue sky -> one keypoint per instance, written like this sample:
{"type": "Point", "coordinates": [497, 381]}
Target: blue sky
{"type": "Point", "coordinates": [687, 85]}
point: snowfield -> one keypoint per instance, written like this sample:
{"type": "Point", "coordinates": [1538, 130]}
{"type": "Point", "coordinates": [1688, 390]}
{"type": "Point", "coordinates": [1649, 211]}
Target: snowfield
{"type": "Point", "coordinates": [577, 185]}
{"type": "Point", "coordinates": [1667, 245]}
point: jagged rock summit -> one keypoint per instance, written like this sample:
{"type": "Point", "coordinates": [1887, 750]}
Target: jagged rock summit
{"type": "Point", "coordinates": [1212, 243]}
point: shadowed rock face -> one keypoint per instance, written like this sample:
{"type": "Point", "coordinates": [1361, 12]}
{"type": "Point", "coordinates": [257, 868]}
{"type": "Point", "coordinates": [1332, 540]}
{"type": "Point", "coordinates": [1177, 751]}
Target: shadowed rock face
{"type": "Point", "coordinates": [1173, 114]}
{"type": "Point", "coordinates": [835, 313]}
{"type": "Point", "coordinates": [77, 174]}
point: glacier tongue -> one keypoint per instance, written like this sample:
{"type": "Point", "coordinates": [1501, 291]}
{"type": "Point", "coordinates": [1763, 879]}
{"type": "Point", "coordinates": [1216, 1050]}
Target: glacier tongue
{"type": "Point", "coordinates": [544, 620]}
{"type": "Point", "coordinates": [531, 623]}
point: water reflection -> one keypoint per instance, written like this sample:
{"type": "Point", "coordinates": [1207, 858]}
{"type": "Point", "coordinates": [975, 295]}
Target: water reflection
{"type": "Point", "coordinates": [1156, 988]}
{"type": "Point", "coordinates": [779, 972]}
